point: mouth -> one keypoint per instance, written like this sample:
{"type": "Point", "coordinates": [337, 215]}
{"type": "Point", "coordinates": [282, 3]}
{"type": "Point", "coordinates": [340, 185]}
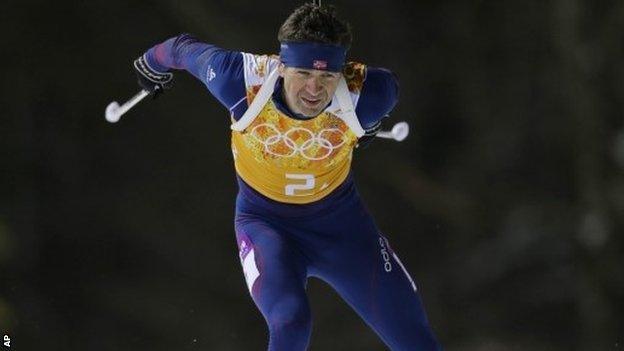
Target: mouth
{"type": "Point", "coordinates": [311, 102]}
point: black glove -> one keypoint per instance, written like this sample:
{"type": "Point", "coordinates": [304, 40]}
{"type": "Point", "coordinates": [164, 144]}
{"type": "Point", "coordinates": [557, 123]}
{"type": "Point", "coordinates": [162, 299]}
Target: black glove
{"type": "Point", "coordinates": [369, 135]}
{"type": "Point", "coordinates": [152, 81]}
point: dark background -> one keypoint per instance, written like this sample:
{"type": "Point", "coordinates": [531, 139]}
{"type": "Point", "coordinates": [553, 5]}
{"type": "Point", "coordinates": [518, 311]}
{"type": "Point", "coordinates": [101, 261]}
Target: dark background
{"type": "Point", "coordinates": [506, 203]}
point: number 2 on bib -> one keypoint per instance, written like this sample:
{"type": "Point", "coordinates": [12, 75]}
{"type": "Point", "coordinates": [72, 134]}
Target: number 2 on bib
{"type": "Point", "coordinates": [308, 185]}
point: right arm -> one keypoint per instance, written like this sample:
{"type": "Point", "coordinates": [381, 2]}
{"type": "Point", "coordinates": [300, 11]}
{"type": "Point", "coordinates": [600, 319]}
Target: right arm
{"type": "Point", "coordinates": [220, 70]}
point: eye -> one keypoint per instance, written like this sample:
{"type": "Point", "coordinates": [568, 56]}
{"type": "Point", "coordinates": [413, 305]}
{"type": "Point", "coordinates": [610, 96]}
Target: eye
{"type": "Point", "coordinates": [303, 73]}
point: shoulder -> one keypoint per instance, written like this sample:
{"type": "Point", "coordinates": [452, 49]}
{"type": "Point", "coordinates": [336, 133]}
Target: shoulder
{"type": "Point", "coordinates": [378, 96]}
{"type": "Point", "coordinates": [354, 74]}
{"type": "Point", "coordinates": [257, 67]}
{"type": "Point", "coordinates": [223, 75]}
{"type": "Point", "coordinates": [225, 60]}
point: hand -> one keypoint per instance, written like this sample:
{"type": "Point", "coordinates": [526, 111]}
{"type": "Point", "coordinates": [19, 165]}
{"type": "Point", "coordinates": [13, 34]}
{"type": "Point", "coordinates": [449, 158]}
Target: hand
{"type": "Point", "coordinates": [151, 80]}
{"type": "Point", "coordinates": [369, 134]}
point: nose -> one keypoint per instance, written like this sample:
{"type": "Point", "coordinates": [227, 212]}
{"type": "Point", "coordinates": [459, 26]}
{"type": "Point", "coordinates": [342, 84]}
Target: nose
{"type": "Point", "coordinates": [314, 86]}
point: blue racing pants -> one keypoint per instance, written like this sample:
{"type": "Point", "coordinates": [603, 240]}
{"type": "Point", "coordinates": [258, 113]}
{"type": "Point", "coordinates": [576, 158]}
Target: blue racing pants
{"type": "Point", "coordinates": [281, 246]}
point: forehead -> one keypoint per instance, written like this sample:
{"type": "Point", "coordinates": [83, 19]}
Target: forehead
{"type": "Point", "coordinates": [310, 71]}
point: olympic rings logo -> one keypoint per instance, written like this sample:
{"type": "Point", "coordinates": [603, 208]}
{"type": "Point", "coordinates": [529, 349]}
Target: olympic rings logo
{"type": "Point", "coordinates": [314, 147]}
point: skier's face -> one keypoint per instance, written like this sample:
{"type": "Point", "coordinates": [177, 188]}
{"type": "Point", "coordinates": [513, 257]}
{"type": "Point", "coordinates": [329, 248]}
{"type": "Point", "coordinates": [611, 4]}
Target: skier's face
{"type": "Point", "coordinates": [308, 91]}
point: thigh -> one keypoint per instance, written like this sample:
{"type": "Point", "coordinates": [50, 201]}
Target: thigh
{"type": "Point", "coordinates": [369, 276]}
{"type": "Point", "coordinates": [274, 271]}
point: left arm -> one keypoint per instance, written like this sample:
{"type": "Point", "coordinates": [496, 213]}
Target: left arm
{"type": "Point", "coordinates": [380, 93]}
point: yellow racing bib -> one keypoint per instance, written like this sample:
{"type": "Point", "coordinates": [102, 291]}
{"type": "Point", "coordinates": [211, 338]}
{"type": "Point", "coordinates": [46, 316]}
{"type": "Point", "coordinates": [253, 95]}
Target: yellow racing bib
{"type": "Point", "coordinates": [290, 160]}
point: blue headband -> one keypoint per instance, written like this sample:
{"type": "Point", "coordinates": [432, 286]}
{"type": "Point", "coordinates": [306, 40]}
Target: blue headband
{"type": "Point", "coordinates": [313, 56]}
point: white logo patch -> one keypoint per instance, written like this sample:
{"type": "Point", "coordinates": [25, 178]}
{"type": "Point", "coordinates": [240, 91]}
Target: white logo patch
{"type": "Point", "coordinates": [211, 74]}
{"type": "Point", "coordinates": [248, 260]}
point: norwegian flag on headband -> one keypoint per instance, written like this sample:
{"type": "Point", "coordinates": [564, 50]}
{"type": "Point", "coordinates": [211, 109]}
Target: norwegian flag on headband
{"type": "Point", "coordinates": [319, 64]}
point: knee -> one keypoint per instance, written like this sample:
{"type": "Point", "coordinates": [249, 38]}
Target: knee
{"type": "Point", "coordinates": [290, 325]}
{"type": "Point", "coordinates": [290, 313]}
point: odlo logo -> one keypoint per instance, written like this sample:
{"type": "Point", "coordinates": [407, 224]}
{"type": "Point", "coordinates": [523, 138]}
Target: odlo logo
{"type": "Point", "coordinates": [384, 254]}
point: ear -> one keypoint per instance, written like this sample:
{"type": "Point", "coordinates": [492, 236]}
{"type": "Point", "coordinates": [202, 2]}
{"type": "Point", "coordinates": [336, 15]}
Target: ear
{"type": "Point", "coordinates": [280, 69]}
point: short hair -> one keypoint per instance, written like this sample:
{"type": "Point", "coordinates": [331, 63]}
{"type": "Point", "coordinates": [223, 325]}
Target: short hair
{"type": "Point", "coordinates": [314, 23]}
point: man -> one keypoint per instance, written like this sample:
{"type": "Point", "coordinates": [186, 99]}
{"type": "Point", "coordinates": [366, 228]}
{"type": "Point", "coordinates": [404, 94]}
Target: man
{"type": "Point", "coordinates": [296, 119]}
